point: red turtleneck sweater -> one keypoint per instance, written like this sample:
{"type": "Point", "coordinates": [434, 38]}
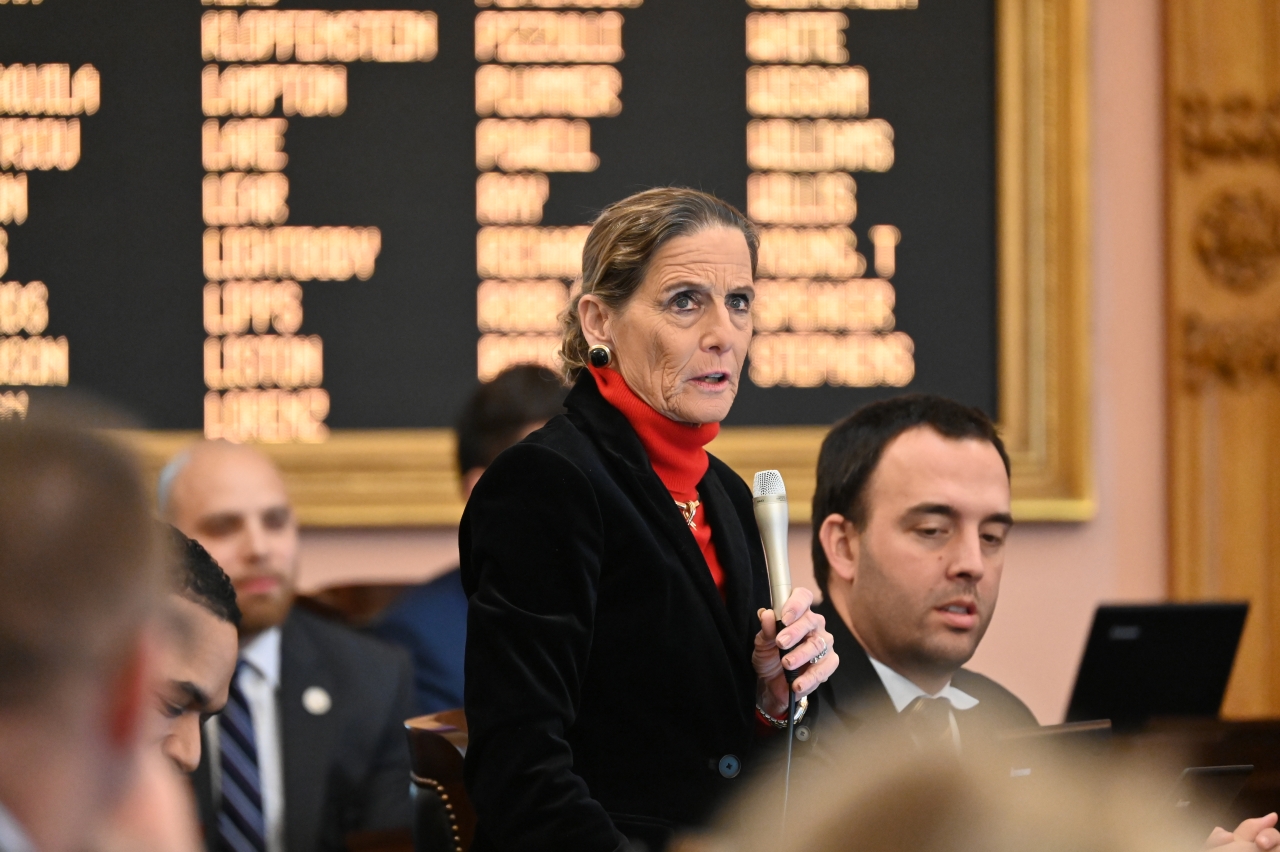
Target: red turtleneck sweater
{"type": "Point", "coordinates": [676, 451]}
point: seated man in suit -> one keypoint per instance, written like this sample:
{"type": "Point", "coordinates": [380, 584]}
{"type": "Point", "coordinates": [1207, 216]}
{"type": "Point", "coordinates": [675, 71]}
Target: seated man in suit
{"type": "Point", "coordinates": [430, 620]}
{"type": "Point", "coordinates": [80, 574]}
{"type": "Point", "coordinates": [910, 517]}
{"type": "Point", "coordinates": [311, 745]}
{"type": "Point", "coordinates": [199, 657]}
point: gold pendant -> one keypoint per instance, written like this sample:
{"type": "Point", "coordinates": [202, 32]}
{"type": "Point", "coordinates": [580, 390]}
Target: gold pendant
{"type": "Point", "coordinates": [689, 509]}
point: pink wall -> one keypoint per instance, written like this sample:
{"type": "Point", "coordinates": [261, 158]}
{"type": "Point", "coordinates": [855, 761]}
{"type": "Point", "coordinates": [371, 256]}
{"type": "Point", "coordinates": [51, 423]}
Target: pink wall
{"type": "Point", "coordinates": [1055, 574]}
{"type": "Point", "coordinates": [335, 557]}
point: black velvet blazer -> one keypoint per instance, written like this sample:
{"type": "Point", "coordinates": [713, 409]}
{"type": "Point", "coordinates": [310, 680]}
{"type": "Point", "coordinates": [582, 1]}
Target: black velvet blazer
{"type": "Point", "coordinates": [609, 688]}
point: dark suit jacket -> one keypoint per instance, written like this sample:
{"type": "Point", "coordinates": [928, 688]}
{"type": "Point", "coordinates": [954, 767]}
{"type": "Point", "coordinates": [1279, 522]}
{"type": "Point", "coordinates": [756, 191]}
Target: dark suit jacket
{"type": "Point", "coordinates": [348, 769]}
{"type": "Point", "coordinates": [430, 622]}
{"type": "Point", "coordinates": [606, 679]}
{"type": "Point", "coordinates": [855, 697]}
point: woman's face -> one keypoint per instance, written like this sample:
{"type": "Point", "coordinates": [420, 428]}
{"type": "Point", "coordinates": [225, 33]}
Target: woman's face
{"type": "Point", "coordinates": [681, 340]}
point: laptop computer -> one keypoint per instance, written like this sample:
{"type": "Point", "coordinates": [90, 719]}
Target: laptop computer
{"type": "Point", "coordinates": [1148, 660]}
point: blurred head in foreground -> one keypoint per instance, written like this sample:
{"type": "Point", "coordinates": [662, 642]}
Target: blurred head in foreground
{"type": "Point", "coordinates": [80, 575]}
{"type": "Point", "coordinates": [232, 499]}
{"type": "Point", "coordinates": [501, 412]}
{"type": "Point", "coordinates": [157, 814]}
{"type": "Point", "coordinates": [909, 802]}
{"type": "Point", "coordinates": [198, 660]}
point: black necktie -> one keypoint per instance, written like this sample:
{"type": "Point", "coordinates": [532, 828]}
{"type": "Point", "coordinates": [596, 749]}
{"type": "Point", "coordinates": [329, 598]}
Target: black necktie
{"type": "Point", "coordinates": [929, 720]}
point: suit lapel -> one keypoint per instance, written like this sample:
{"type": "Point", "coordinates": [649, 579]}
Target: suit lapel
{"type": "Point", "coordinates": [620, 446]}
{"type": "Point", "coordinates": [307, 740]}
{"type": "Point", "coordinates": [664, 516]}
{"type": "Point", "coordinates": [857, 692]}
{"type": "Point", "coordinates": [730, 541]}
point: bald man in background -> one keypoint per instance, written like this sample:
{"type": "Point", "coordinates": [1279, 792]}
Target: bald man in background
{"type": "Point", "coordinates": [315, 719]}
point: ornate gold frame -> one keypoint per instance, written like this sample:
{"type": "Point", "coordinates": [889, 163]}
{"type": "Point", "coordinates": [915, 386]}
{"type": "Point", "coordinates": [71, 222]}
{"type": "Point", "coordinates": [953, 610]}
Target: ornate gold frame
{"type": "Point", "coordinates": [407, 478]}
{"type": "Point", "coordinates": [1043, 238]}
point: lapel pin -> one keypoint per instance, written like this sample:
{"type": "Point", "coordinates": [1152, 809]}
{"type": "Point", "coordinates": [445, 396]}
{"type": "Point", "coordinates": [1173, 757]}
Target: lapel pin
{"type": "Point", "coordinates": [316, 700]}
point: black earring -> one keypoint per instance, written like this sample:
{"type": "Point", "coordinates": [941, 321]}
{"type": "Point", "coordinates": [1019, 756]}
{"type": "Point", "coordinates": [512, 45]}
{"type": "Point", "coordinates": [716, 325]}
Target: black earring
{"type": "Point", "coordinates": [599, 355]}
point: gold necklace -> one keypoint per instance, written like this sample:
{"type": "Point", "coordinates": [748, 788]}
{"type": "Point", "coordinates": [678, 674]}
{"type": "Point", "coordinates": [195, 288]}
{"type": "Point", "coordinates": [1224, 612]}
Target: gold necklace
{"type": "Point", "coordinates": [689, 509]}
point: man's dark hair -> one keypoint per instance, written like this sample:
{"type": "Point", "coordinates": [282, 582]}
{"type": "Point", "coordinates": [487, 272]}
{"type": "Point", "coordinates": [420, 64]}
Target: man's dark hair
{"type": "Point", "coordinates": [852, 449]}
{"type": "Point", "coordinates": [199, 579]}
{"type": "Point", "coordinates": [499, 412]}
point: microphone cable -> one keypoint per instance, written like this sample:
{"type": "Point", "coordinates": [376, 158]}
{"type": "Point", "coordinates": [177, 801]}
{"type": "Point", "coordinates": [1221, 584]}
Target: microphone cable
{"type": "Point", "coordinates": [791, 738]}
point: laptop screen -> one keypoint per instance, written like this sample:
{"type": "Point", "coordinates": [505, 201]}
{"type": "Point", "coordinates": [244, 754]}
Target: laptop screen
{"type": "Point", "coordinates": [1149, 660]}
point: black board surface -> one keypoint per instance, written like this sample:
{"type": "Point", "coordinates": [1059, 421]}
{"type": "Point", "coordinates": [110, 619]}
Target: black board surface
{"type": "Point", "coordinates": [117, 239]}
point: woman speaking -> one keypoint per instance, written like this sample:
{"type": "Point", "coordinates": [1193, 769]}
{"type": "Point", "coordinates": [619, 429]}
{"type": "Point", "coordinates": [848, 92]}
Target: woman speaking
{"type": "Point", "coordinates": [621, 657]}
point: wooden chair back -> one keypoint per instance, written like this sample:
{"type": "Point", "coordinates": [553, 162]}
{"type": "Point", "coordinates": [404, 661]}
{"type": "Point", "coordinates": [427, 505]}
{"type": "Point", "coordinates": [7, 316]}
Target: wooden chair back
{"type": "Point", "coordinates": [437, 743]}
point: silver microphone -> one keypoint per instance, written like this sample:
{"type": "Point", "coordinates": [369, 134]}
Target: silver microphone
{"type": "Point", "coordinates": [770, 498]}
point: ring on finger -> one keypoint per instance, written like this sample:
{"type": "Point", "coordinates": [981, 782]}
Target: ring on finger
{"type": "Point", "coordinates": [821, 654]}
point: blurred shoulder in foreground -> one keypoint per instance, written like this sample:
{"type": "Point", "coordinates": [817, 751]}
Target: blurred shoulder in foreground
{"type": "Point", "coordinates": [910, 801]}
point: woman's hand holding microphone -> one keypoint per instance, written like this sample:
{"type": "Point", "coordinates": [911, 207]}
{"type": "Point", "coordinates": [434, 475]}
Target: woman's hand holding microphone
{"type": "Point", "coordinates": [809, 653]}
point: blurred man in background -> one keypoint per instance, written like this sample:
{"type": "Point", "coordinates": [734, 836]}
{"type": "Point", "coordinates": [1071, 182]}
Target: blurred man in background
{"type": "Point", "coordinates": [311, 744]}
{"type": "Point", "coordinates": [430, 620]}
{"type": "Point", "coordinates": [80, 575]}
{"type": "Point", "coordinates": [199, 657]}
{"type": "Point", "coordinates": [908, 801]}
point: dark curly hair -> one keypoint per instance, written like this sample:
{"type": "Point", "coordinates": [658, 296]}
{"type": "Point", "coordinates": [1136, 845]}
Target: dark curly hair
{"type": "Point", "coordinates": [199, 579]}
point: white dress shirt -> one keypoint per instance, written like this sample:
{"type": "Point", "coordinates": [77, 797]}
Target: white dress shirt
{"type": "Point", "coordinates": [903, 691]}
{"type": "Point", "coordinates": [12, 837]}
{"type": "Point", "coordinates": [260, 683]}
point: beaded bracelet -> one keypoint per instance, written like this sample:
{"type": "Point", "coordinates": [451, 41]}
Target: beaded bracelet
{"type": "Point", "coordinates": [801, 707]}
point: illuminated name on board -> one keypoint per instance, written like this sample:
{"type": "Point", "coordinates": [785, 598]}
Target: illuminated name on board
{"type": "Point", "coordinates": [36, 138]}
{"type": "Point", "coordinates": [819, 320]}
{"type": "Point", "coordinates": [263, 376]}
{"type": "Point", "coordinates": [533, 123]}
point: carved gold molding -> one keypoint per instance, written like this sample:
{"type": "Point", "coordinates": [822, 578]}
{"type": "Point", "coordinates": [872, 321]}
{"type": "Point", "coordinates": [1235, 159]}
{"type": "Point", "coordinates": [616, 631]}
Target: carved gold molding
{"type": "Point", "coordinates": [1222, 180]}
{"type": "Point", "coordinates": [357, 478]}
{"type": "Point", "coordinates": [1232, 351]}
{"type": "Point", "coordinates": [407, 477]}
